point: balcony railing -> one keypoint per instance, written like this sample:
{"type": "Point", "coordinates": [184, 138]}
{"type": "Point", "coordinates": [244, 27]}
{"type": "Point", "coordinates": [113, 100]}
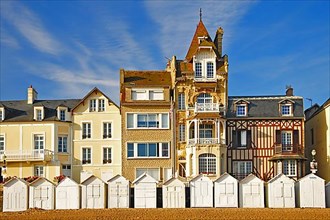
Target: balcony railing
{"type": "Point", "coordinates": [287, 149]}
{"type": "Point", "coordinates": [206, 141]}
{"type": "Point", "coordinates": [26, 155]}
{"type": "Point", "coordinates": [208, 107]}
{"type": "Point", "coordinates": [205, 79]}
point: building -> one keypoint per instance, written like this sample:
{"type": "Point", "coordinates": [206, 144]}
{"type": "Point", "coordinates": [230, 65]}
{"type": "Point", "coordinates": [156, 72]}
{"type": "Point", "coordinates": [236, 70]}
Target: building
{"type": "Point", "coordinates": [265, 136]}
{"type": "Point", "coordinates": [145, 99]}
{"type": "Point", "coordinates": [36, 136]}
{"type": "Point", "coordinates": [317, 136]}
{"type": "Point", "coordinates": [200, 93]}
{"type": "Point", "coordinates": [96, 137]}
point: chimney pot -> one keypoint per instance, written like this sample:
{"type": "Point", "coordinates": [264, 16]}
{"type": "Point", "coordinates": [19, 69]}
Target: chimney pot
{"type": "Point", "coordinates": [289, 91]}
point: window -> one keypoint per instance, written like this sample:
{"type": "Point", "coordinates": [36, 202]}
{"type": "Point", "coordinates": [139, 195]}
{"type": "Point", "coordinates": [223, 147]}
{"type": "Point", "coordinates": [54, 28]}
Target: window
{"type": "Point", "coordinates": [2, 142]}
{"type": "Point", "coordinates": [181, 101]}
{"type": "Point", "coordinates": [210, 70]}
{"type": "Point", "coordinates": [101, 105]}
{"type": "Point", "coordinates": [107, 130]}
{"type": "Point", "coordinates": [205, 130]}
{"type": "Point", "coordinates": [152, 150]}
{"type": "Point", "coordinates": [86, 155]}
{"type": "Point", "coordinates": [207, 164]}
{"type": "Point", "coordinates": [198, 70]}
{"type": "Point", "coordinates": [156, 95]}
{"type": "Point", "coordinates": [2, 115]}
{"type": "Point", "coordinates": [147, 94]}
{"type": "Point", "coordinates": [62, 144]}
{"type": "Point", "coordinates": [86, 130]}
{"type": "Point", "coordinates": [92, 105]}
{"type": "Point", "coordinates": [107, 155]}
{"type": "Point", "coordinates": [289, 167]}
{"type": "Point", "coordinates": [241, 169]}
{"type": "Point", "coordinates": [39, 115]}
{"type": "Point", "coordinates": [150, 121]}
{"type": "Point", "coordinates": [38, 142]}
{"type": "Point", "coordinates": [241, 110]}
{"type": "Point", "coordinates": [204, 98]}
{"type": "Point", "coordinates": [62, 115]}
{"type": "Point", "coordinates": [153, 172]}
{"type": "Point", "coordinates": [39, 171]}
{"type": "Point", "coordinates": [241, 138]}
{"type": "Point", "coordinates": [182, 132]}
{"type": "Point", "coordinates": [286, 110]}
{"type": "Point", "coordinates": [286, 137]}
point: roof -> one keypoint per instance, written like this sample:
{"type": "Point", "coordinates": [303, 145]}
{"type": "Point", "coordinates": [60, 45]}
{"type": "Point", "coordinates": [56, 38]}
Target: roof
{"type": "Point", "coordinates": [67, 179]}
{"type": "Point", "coordinates": [117, 177]}
{"type": "Point", "coordinates": [142, 176]}
{"type": "Point", "coordinates": [90, 177]}
{"type": "Point", "coordinates": [310, 175]}
{"type": "Point", "coordinates": [289, 156]}
{"type": "Point", "coordinates": [280, 175]}
{"type": "Point", "coordinates": [223, 176]}
{"type": "Point", "coordinates": [17, 179]}
{"type": "Point", "coordinates": [315, 109]}
{"type": "Point", "coordinates": [250, 177]}
{"type": "Point", "coordinates": [144, 78]}
{"type": "Point", "coordinates": [265, 106]}
{"type": "Point", "coordinates": [40, 179]}
{"type": "Point", "coordinates": [171, 180]}
{"type": "Point", "coordinates": [20, 111]}
{"type": "Point", "coordinates": [199, 177]}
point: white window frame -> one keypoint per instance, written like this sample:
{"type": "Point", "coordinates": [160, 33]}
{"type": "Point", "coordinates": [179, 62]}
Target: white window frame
{"type": "Point", "coordinates": [62, 137]}
{"type": "Point", "coordinates": [159, 145]}
{"type": "Point", "coordinates": [204, 59]}
{"type": "Point", "coordinates": [136, 94]}
{"type": "Point", "coordinates": [160, 123]}
{"type": "Point", "coordinates": [107, 160]}
{"type": "Point", "coordinates": [59, 113]}
{"type": "Point", "coordinates": [93, 105]}
{"type": "Point", "coordinates": [43, 141]}
{"type": "Point", "coordinates": [107, 126]}
{"type": "Point", "coordinates": [181, 101]}
{"type": "Point", "coordinates": [82, 130]}
{"type": "Point", "coordinates": [284, 112]}
{"type": "Point", "coordinates": [37, 116]}
{"type": "Point", "coordinates": [286, 140]}
{"type": "Point", "coordinates": [238, 111]}
{"type": "Point", "coordinates": [290, 167]}
{"type": "Point", "coordinates": [101, 105]}
{"type": "Point", "coordinates": [207, 164]}
{"type": "Point", "coordinates": [148, 170]}
{"type": "Point", "coordinates": [2, 114]}
{"type": "Point", "coordinates": [182, 132]}
{"type": "Point", "coordinates": [39, 170]}
{"type": "Point", "coordinates": [200, 70]}
{"type": "Point", "coordinates": [2, 143]}
{"type": "Point", "coordinates": [86, 157]}
{"type": "Point", "coordinates": [243, 143]}
{"type": "Point", "coordinates": [156, 94]}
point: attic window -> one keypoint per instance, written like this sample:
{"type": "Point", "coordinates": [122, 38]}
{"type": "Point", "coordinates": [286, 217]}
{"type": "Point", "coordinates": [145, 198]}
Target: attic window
{"type": "Point", "coordinates": [241, 110]}
{"type": "Point", "coordinates": [286, 109]}
{"type": "Point", "coordinates": [2, 114]}
{"type": "Point", "coordinates": [38, 113]}
{"type": "Point", "coordinates": [61, 113]}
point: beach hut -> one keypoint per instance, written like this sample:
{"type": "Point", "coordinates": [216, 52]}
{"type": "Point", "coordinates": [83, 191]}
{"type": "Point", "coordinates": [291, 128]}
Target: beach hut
{"type": "Point", "coordinates": [226, 191]}
{"type": "Point", "coordinates": [42, 194]}
{"type": "Point", "coordinates": [310, 192]}
{"type": "Point", "coordinates": [201, 191]}
{"type": "Point", "coordinates": [118, 192]}
{"type": "Point", "coordinates": [93, 193]}
{"type": "Point", "coordinates": [280, 192]}
{"type": "Point", "coordinates": [145, 192]}
{"type": "Point", "coordinates": [327, 194]}
{"type": "Point", "coordinates": [251, 192]}
{"type": "Point", "coordinates": [15, 195]}
{"type": "Point", "coordinates": [67, 194]}
{"type": "Point", "coordinates": [174, 195]}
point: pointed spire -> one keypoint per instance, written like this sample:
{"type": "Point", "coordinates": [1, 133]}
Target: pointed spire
{"type": "Point", "coordinates": [200, 14]}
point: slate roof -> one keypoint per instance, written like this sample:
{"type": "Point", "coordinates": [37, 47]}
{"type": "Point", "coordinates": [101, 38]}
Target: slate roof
{"type": "Point", "coordinates": [147, 78]}
{"type": "Point", "coordinates": [20, 111]}
{"type": "Point", "coordinates": [265, 106]}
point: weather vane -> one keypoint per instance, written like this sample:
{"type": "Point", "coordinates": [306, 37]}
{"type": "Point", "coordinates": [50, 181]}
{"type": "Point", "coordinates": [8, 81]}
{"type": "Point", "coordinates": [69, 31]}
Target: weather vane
{"type": "Point", "coordinates": [200, 14]}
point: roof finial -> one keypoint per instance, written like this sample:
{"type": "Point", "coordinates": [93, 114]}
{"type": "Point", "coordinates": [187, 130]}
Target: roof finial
{"type": "Point", "coordinates": [200, 14]}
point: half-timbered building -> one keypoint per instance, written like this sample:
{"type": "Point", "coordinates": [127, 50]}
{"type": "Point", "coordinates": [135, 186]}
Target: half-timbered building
{"type": "Point", "coordinates": [265, 136]}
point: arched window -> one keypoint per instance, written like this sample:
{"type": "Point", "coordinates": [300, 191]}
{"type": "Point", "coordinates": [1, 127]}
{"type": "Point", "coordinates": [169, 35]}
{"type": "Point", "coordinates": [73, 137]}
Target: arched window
{"type": "Point", "coordinates": [207, 164]}
{"type": "Point", "coordinates": [204, 98]}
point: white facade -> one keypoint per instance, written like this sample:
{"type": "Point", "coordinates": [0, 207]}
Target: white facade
{"type": "Point", "coordinates": [327, 194]}
{"type": "Point", "coordinates": [226, 191]}
{"type": "Point", "coordinates": [67, 194]}
{"type": "Point", "coordinates": [15, 195]}
{"type": "Point", "coordinates": [42, 194]}
{"type": "Point", "coordinates": [280, 192]}
{"type": "Point", "coordinates": [310, 192]}
{"type": "Point", "coordinates": [93, 193]}
{"type": "Point", "coordinates": [174, 195]}
{"type": "Point", "coordinates": [145, 192]}
{"type": "Point", "coordinates": [118, 192]}
{"type": "Point", "coordinates": [251, 192]}
{"type": "Point", "coordinates": [201, 191]}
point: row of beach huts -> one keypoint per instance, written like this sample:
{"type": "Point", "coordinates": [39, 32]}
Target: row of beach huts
{"type": "Point", "coordinates": [280, 192]}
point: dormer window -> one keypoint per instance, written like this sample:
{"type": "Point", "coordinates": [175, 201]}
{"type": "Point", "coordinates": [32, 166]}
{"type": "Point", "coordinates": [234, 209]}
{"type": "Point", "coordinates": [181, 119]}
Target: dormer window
{"type": "Point", "coordinates": [286, 110]}
{"type": "Point", "coordinates": [147, 94]}
{"type": "Point", "coordinates": [62, 113]}
{"type": "Point", "coordinates": [241, 110]}
{"type": "Point", "coordinates": [210, 70]}
{"type": "Point", "coordinates": [38, 113]}
{"type": "Point", "coordinates": [204, 65]}
{"type": "Point", "coordinates": [92, 105]}
{"type": "Point", "coordinates": [101, 105]}
{"type": "Point", "coordinates": [198, 70]}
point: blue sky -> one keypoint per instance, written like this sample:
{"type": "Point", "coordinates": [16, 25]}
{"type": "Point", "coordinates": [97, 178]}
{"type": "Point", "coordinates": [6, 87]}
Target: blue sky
{"type": "Point", "coordinates": [66, 48]}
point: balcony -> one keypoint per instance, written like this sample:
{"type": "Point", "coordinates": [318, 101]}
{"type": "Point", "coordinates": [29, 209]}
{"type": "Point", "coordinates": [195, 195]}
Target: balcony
{"type": "Point", "coordinates": [208, 107]}
{"type": "Point", "coordinates": [205, 79]}
{"type": "Point", "coordinates": [26, 155]}
{"type": "Point", "coordinates": [206, 141]}
{"type": "Point", "coordinates": [287, 149]}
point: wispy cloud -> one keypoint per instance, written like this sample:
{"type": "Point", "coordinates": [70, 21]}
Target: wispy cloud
{"type": "Point", "coordinates": [7, 39]}
{"type": "Point", "coordinates": [30, 26]}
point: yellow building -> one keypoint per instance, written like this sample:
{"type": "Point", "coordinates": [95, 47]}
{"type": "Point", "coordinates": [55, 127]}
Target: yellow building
{"type": "Point", "coordinates": [35, 137]}
{"type": "Point", "coordinates": [317, 136]}
{"type": "Point", "coordinates": [96, 137]}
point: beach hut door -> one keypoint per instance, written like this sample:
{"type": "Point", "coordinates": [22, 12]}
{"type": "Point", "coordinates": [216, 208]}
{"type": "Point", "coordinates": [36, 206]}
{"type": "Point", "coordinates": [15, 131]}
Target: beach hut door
{"type": "Point", "coordinates": [119, 195]}
{"type": "Point", "coordinates": [202, 194]}
{"type": "Point", "coordinates": [226, 196]}
{"type": "Point", "coordinates": [173, 196]}
{"type": "Point", "coordinates": [93, 196]}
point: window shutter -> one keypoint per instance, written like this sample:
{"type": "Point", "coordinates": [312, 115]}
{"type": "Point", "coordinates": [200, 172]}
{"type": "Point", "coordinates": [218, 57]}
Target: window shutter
{"type": "Point", "coordinates": [238, 139]}
{"type": "Point", "coordinates": [248, 138]}
{"type": "Point", "coordinates": [278, 137]}
{"type": "Point", "coordinates": [295, 137]}
{"type": "Point", "coordinates": [234, 140]}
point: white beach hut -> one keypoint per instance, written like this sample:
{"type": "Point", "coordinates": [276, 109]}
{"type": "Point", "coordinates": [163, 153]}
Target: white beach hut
{"type": "Point", "coordinates": [67, 194]}
{"type": "Point", "coordinates": [201, 191]}
{"type": "Point", "coordinates": [226, 191]}
{"type": "Point", "coordinates": [145, 191]}
{"type": "Point", "coordinates": [15, 195]}
{"type": "Point", "coordinates": [118, 192]}
{"type": "Point", "coordinates": [174, 195]}
{"type": "Point", "coordinates": [93, 193]}
{"type": "Point", "coordinates": [327, 194]}
{"type": "Point", "coordinates": [310, 192]}
{"type": "Point", "coordinates": [42, 194]}
{"type": "Point", "coordinates": [251, 192]}
{"type": "Point", "coordinates": [280, 192]}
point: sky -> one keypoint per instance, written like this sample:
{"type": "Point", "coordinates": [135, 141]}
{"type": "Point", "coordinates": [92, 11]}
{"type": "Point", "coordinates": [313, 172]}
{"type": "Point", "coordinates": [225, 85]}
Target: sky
{"type": "Point", "coordinates": [66, 48]}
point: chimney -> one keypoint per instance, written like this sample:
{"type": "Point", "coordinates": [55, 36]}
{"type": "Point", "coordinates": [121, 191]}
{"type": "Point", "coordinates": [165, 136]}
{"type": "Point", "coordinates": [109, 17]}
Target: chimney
{"type": "Point", "coordinates": [32, 95]}
{"type": "Point", "coordinates": [289, 91]}
{"type": "Point", "coordinates": [218, 40]}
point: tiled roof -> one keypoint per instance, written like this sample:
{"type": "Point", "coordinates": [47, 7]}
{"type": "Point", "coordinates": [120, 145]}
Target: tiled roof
{"type": "Point", "coordinates": [265, 106]}
{"type": "Point", "coordinates": [20, 111]}
{"type": "Point", "coordinates": [147, 78]}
